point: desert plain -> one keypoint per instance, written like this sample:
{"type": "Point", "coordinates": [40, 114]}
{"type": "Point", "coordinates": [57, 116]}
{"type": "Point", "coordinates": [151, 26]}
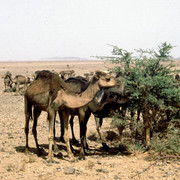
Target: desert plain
{"type": "Point", "coordinates": [98, 165]}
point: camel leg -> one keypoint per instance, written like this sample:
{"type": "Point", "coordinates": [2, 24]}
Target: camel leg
{"type": "Point", "coordinates": [62, 126]}
{"type": "Point", "coordinates": [17, 87]}
{"type": "Point", "coordinates": [55, 145]}
{"type": "Point", "coordinates": [25, 87]}
{"type": "Point", "coordinates": [87, 116]}
{"type": "Point", "coordinates": [66, 136]}
{"type": "Point", "coordinates": [27, 132]}
{"type": "Point", "coordinates": [98, 126]}
{"type": "Point", "coordinates": [51, 117]}
{"type": "Point", "coordinates": [83, 119]}
{"type": "Point", "coordinates": [28, 112]}
{"type": "Point", "coordinates": [34, 131]}
{"type": "Point", "coordinates": [74, 140]}
{"type": "Point", "coordinates": [99, 122]}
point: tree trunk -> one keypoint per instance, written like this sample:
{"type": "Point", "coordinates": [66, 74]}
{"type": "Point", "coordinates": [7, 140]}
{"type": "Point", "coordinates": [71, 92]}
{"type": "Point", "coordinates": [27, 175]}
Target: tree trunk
{"type": "Point", "coordinates": [147, 127]}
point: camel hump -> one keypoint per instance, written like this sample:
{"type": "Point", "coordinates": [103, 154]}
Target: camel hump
{"type": "Point", "coordinates": [77, 84]}
{"type": "Point", "coordinates": [44, 74]}
{"type": "Point", "coordinates": [53, 79]}
{"type": "Point", "coordinates": [19, 76]}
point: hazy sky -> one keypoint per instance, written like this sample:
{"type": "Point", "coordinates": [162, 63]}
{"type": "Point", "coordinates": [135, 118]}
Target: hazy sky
{"type": "Point", "coordinates": [36, 29]}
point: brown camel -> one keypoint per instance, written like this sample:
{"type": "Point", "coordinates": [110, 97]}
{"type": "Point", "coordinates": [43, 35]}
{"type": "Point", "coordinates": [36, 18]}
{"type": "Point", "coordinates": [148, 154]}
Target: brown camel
{"type": "Point", "coordinates": [50, 93]}
{"type": "Point", "coordinates": [21, 80]}
{"type": "Point", "coordinates": [105, 100]}
{"type": "Point", "coordinates": [8, 80]}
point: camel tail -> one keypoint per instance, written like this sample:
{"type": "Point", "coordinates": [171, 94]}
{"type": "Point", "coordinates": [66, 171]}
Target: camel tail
{"type": "Point", "coordinates": [27, 108]}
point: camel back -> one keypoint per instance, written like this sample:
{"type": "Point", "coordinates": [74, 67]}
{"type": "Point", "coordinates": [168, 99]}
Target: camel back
{"type": "Point", "coordinates": [77, 84]}
{"type": "Point", "coordinates": [53, 79]}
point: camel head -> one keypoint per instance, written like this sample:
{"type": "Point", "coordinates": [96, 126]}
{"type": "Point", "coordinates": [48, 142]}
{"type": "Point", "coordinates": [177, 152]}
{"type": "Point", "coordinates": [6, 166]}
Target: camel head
{"type": "Point", "coordinates": [104, 80]}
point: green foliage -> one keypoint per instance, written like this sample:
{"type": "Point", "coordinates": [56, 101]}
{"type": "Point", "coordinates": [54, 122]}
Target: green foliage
{"type": "Point", "coordinates": [167, 145]}
{"type": "Point", "coordinates": [148, 76]}
{"type": "Point", "coordinates": [136, 146]}
{"type": "Point", "coordinates": [149, 81]}
{"type": "Point", "coordinates": [117, 121]}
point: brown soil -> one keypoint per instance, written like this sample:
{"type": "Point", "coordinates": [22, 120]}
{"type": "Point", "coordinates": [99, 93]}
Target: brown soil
{"type": "Point", "coordinates": [99, 164]}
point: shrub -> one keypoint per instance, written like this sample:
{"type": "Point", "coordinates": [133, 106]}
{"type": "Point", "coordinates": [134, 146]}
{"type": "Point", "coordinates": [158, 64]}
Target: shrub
{"type": "Point", "coordinates": [149, 81]}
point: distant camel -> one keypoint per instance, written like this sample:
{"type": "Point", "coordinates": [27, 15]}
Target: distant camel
{"type": "Point", "coordinates": [21, 80]}
{"type": "Point", "coordinates": [66, 73]}
{"type": "Point", "coordinates": [48, 92]}
{"type": "Point", "coordinates": [88, 75]}
{"type": "Point", "coordinates": [8, 80]}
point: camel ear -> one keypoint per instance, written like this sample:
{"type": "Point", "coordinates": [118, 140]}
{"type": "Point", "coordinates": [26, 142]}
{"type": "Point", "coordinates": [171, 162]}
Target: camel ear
{"type": "Point", "coordinates": [98, 74]}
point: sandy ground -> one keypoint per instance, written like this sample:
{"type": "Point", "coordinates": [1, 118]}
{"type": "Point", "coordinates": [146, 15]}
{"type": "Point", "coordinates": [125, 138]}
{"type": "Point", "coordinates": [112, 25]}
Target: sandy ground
{"type": "Point", "coordinates": [98, 165]}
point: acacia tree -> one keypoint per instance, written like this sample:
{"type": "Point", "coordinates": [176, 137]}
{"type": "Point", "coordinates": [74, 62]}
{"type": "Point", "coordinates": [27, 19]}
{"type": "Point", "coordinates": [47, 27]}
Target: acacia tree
{"type": "Point", "coordinates": [149, 81]}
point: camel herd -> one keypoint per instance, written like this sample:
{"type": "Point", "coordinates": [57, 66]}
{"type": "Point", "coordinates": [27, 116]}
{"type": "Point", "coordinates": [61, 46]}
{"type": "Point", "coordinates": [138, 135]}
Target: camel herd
{"type": "Point", "coordinates": [96, 93]}
{"type": "Point", "coordinates": [17, 81]}
{"type": "Point", "coordinates": [13, 84]}
{"type": "Point", "coordinates": [50, 93]}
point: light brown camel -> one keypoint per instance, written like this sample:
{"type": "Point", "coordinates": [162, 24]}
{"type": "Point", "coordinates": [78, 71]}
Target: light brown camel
{"type": "Point", "coordinates": [66, 73]}
{"type": "Point", "coordinates": [105, 101]}
{"type": "Point", "coordinates": [21, 80]}
{"type": "Point", "coordinates": [50, 93]}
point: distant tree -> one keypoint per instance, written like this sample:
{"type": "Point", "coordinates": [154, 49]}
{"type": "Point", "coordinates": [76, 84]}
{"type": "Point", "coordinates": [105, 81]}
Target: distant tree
{"type": "Point", "coordinates": [149, 81]}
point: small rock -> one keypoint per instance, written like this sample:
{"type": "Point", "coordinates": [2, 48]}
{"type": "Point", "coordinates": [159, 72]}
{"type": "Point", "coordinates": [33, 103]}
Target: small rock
{"type": "Point", "coordinates": [161, 169]}
{"type": "Point", "coordinates": [90, 164]}
{"type": "Point", "coordinates": [116, 177]}
{"type": "Point", "coordinates": [58, 169]}
{"type": "Point", "coordinates": [2, 150]}
{"type": "Point", "coordinates": [98, 162]}
{"type": "Point", "coordinates": [102, 170]}
{"type": "Point", "coordinates": [170, 173]}
{"type": "Point", "coordinates": [102, 177]}
{"type": "Point", "coordinates": [69, 170]}
{"type": "Point", "coordinates": [105, 171]}
{"type": "Point", "coordinates": [99, 170]}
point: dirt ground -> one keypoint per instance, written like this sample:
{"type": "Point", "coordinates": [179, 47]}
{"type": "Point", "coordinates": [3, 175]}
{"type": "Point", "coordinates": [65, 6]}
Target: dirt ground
{"type": "Point", "coordinates": [98, 165]}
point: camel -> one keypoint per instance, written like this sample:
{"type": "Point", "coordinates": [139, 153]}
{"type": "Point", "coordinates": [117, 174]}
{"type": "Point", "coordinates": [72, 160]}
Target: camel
{"type": "Point", "coordinates": [8, 80]}
{"type": "Point", "coordinates": [88, 75]}
{"type": "Point", "coordinates": [20, 80]}
{"type": "Point", "coordinates": [66, 73]}
{"type": "Point", "coordinates": [101, 105]}
{"type": "Point", "coordinates": [48, 92]}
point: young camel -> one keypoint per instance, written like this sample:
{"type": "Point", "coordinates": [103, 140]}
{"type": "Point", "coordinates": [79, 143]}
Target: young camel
{"type": "Point", "coordinates": [48, 92]}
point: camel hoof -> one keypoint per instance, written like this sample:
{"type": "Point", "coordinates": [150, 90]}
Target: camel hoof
{"type": "Point", "coordinates": [72, 159]}
{"type": "Point", "coordinates": [105, 146]}
{"type": "Point", "coordinates": [50, 160]}
{"type": "Point", "coordinates": [81, 157]}
{"type": "Point", "coordinates": [27, 152]}
{"type": "Point", "coordinates": [41, 151]}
